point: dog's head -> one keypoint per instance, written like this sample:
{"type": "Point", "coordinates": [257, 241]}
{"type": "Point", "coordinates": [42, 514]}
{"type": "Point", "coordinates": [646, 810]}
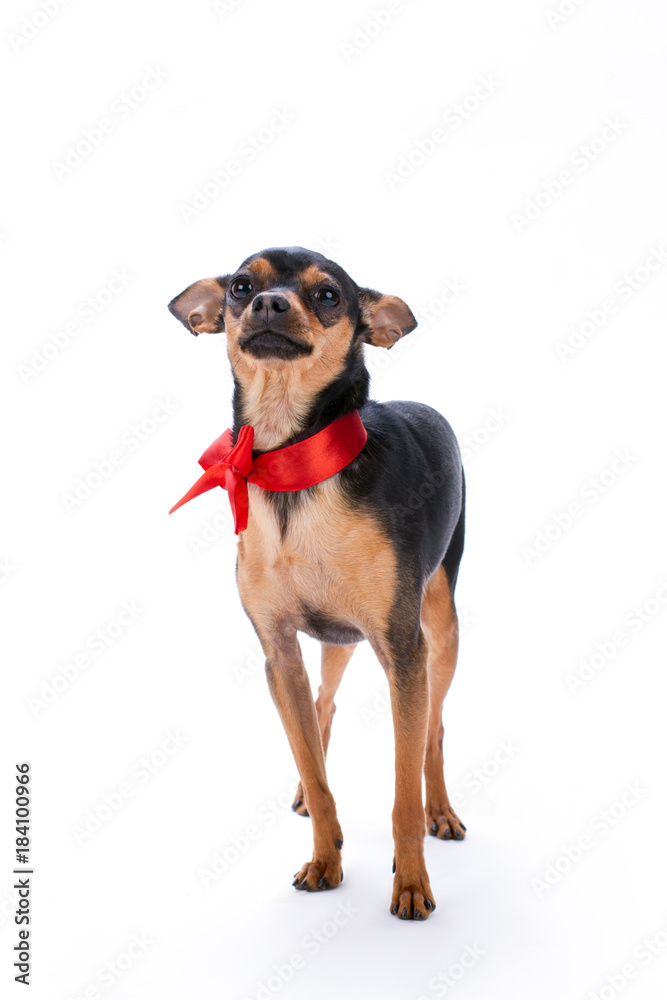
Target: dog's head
{"type": "Point", "coordinates": [290, 306]}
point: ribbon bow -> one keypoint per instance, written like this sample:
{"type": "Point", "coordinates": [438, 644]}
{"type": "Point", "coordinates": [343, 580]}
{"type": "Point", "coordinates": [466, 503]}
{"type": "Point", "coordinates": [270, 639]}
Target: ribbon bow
{"type": "Point", "coordinates": [295, 467]}
{"type": "Point", "coordinates": [231, 472]}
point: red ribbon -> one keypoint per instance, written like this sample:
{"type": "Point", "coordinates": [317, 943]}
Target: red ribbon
{"type": "Point", "coordinates": [295, 467]}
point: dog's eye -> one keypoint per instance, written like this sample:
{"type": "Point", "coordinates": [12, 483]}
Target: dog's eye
{"type": "Point", "coordinates": [327, 296]}
{"type": "Point", "coordinates": [241, 288]}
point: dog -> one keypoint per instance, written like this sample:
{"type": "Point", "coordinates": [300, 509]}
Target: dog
{"type": "Point", "coordinates": [370, 552]}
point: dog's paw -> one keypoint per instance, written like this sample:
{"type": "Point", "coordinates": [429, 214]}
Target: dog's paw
{"type": "Point", "coordinates": [315, 876]}
{"type": "Point", "coordinates": [412, 900]}
{"type": "Point", "coordinates": [299, 804]}
{"type": "Point", "coordinates": [324, 871]}
{"type": "Point", "coordinates": [443, 823]}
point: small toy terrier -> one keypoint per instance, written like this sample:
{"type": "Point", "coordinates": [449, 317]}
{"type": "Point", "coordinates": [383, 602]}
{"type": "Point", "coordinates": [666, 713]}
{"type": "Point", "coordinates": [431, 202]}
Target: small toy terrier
{"type": "Point", "coordinates": [350, 515]}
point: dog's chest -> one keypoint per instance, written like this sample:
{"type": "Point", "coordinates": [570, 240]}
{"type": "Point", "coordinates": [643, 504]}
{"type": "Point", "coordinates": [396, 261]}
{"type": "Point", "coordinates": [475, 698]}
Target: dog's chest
{"type": "Point", "coordinates": [307, 534]}
{"type": "Point", "coordinates": [327, 560]}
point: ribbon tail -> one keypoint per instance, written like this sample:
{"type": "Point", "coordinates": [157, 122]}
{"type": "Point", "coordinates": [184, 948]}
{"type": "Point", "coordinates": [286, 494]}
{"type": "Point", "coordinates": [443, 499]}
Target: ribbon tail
{"type": "Point", "coordinates": [215, 476]}
{"type": "Point", "coordinates": [237, 491]}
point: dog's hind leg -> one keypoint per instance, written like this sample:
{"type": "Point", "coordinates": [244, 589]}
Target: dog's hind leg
{"type": "Point", "coordinates": [334, 661]}
{"type": "Point", "coordinates": [440, 625]}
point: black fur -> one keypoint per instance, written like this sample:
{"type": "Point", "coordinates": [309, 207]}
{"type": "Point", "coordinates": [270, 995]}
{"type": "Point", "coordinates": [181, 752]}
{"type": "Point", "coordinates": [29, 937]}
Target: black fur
{"type": "Point", "coordinates": [325, 628]}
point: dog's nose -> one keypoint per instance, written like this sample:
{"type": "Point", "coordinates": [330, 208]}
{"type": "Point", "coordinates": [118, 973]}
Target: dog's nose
{"type": "Point", "coordinates": [270, 303]}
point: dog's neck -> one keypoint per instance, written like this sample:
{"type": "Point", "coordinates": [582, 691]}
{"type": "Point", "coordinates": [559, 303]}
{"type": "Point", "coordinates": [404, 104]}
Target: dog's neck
{"type": "Point", "coordinates": [281, 407]}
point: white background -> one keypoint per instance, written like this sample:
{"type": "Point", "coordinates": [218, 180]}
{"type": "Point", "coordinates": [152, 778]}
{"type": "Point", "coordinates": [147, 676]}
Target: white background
{"type": "Point", "coordinates": [188, 662]}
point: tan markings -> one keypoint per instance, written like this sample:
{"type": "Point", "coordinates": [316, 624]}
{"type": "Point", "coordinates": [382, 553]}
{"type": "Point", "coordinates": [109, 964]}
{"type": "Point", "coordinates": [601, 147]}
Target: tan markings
{"type": "Point", "coordinates": [290, 689]}
{"type": "Point", "coordinates": [313, 276]}
{"type": "Point", "coordinates": [334, 661]}
{"type": "Point", "coordinates": [278, 394]}
{"type": "Point", "coordinates": [333, 560]}
{"type": "Point", "coordinates": [408, 688]}
{"type": "Point", "coordinates": [313, 565]}
{"type": "Point", "coordinates": [440, 625]}
{"type": "Point", "coordinates": [262, 269]}
{"type": "Point", "coordinates": [273, 403]}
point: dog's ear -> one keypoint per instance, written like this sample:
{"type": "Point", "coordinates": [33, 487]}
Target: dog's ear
{"type": "Point", "coordinates": [386, 318]}
{"type": "Point", "coordinates": [199, 307]}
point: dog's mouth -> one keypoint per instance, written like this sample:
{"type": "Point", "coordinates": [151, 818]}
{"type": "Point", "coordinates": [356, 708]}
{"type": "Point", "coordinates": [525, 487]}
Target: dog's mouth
{"type": "Point", "coordinates": [270, 344]}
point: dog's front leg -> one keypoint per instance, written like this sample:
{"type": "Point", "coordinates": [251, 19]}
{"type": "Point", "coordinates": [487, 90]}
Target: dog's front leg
{"type": "Point", "coordinates": [405, 665]}
{"type": "Point", "coordinates": [290, 690]}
